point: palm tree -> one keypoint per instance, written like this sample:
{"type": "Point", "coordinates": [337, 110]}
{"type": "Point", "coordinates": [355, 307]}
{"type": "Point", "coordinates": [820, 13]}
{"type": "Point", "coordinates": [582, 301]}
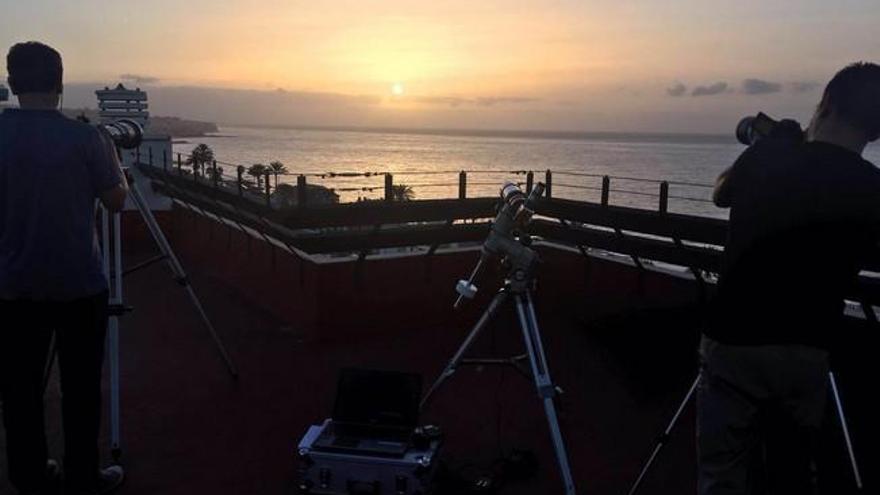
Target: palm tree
{"type": "Point", "coordinates": [200, 157]}
{"type": "Point", "coordinates": [277, 168]}
{"type": "Point", "coordinates": [257, 171]}
{"type": "Point", "coordinates": [402, 192]}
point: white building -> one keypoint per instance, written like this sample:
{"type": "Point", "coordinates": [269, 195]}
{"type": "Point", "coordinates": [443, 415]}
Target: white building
{"type": "Point", "coordinates": [123, 103]}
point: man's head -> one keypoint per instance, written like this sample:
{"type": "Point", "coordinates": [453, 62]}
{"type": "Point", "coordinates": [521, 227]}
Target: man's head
{"type": "Point", "coordinates": [35, 72]}
{"type": "Point", "coordinates": [851, 103]}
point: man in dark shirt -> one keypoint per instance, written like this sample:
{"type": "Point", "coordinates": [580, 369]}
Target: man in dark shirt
{"type": "Point", "coordinates": [804, 218]}
{"type": "Point", "coordinates": [52, 171]}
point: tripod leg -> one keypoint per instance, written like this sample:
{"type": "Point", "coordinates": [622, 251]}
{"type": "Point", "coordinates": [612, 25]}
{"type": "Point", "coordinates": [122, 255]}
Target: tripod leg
{"type": "Point", "coordinates": [849, 448]}
{"type": "Point", "coordinates": [179, 274]}
{"type": "Point", "coordinates": [113, 339]}
{"type": "Point", "coordinates": [664, 437]}
{"type": "Point", "coordinates": [462, 350]}
{"type": "Point", "coordinates": [546, 389]}
{"type": "Point", "coordinates": [50, 361]}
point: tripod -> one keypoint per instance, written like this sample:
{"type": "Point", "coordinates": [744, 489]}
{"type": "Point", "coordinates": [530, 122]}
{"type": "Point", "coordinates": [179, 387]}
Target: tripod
{"type": "Point", "coordinates": [518, 287]}
{"type": "Point", "coordinates": [111, 230]}
{"type": "Point", "coordinates": [664, 437]}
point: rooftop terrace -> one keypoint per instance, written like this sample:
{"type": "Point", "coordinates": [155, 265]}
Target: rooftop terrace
{"type": "Point", "coordinates": [297, 295]}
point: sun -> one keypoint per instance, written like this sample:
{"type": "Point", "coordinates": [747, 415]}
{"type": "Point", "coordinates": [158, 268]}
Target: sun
{"type": "Point", "coordinates": [397, 89]}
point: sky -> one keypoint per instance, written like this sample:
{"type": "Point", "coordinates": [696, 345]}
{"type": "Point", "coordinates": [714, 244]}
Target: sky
{"type": "Point", "coordinates": [578, 65]}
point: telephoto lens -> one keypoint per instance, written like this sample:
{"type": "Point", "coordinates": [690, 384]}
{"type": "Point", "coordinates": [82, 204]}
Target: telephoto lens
{"type": "Point", "coordinates": [750, 130]}
{"type": "Point", "coordinates": [125, 133]}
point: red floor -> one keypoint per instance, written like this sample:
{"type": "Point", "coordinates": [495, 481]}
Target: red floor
{"type": "Point", "coordinates": [188, 428]}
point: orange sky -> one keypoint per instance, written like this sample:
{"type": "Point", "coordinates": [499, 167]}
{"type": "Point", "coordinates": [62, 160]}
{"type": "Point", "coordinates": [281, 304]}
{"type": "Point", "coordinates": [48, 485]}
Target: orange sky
{"type": "Point", "coordinates": [604, 60]}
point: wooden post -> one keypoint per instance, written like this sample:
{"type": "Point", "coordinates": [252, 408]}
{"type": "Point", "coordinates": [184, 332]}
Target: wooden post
{"type": "Point", "coordinates": [179, 165]}
{"type": "Point", "coordinates": [240, 171]}
{"type": "Point", "coordinates": [150, 155]}
{"type": "Point", "coordinates": [165, 160]}
{"type": "Point", "coordinates": [664, 196]}
{"type": "Point", "coordinates": [530, 182]}
{"type": "Point", "coordinates": [268, 191]}
{"type": "Point", "coordinates": [606, 188]}
{"type": "Point", "coordinates": [548, 184]}
{"type": "Point", "coordinates": [301, 196]}
{"type": "Point", "coordinates": [389, 187]}
{"type": "Point", "coordinates": [214, 172]}
{"type": "Point", "coordinates": [462, 185]}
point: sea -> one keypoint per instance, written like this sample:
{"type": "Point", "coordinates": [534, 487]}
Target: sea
{"type": "Point", "coordinates": [429, 162]}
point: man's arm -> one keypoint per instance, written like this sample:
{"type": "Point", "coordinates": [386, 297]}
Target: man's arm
{"type": "Point", "coordinates": [721, 193]}
{"type": "Point", "coordinates": [110, 181]}
{"type": "Point", "coordinates": [728, 181]}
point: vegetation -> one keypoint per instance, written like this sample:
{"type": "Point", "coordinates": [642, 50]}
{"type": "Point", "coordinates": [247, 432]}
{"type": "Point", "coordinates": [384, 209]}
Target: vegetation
{"type": "Point", "coordinates": [287, 196]}
{"type": "Point", "coordinates": [402, 192]}
{"type": "Point", "coordinates": [257, 171]}
{"type": "Point", "coordinates": [201, 156]}
{"type": "Point", "coordinates": [277, 168]}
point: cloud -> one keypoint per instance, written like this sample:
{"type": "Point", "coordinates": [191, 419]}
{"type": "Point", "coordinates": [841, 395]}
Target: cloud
{"type": "Point", "coordinates": [712, 89]}
{"type": "Point", "coordinates": [677, 89]}
{"type": "Point", "coordinates": [139, 79]}
{"type": "Point", "coordinates": [454, 101]}
{"type": "Point", "coordinates": [804, 86]}
{"type": "Point", "coordinates": [760, 87]}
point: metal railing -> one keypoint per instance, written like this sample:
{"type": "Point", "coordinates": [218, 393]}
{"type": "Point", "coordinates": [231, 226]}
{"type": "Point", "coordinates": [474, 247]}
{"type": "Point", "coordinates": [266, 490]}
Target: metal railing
{"type": "Point", "coordinates": [355, 186]}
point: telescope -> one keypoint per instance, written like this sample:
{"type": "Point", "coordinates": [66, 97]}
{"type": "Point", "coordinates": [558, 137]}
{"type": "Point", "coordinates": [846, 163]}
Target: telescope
{"type": "Point", "coordinates": [125, 133]}
{"type": "Point", "coordinates": [752, 129]}
{"type": "Point", "coordinates": [506, 238]}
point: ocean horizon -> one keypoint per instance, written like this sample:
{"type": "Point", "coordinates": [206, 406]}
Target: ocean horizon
{"type": "Point", "coordinates": [429, 161]}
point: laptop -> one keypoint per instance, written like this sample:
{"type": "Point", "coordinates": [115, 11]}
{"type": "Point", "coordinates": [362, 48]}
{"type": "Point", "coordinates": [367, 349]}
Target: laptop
{"type": "Point", "coordinates": [375, 413]}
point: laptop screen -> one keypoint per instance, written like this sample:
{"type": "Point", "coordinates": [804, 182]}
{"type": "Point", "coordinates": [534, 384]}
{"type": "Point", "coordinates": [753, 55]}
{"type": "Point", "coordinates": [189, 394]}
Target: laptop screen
{"type": "Point", "coordinates": [378, 398]}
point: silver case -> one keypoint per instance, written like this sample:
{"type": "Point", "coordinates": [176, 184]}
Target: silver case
{"type": "Point", "coordinates": [333, 473]}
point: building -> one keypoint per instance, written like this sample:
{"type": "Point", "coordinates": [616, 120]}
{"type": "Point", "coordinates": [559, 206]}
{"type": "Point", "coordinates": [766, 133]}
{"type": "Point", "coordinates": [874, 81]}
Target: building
{"type": "Point", "coordinates": [123, 103]}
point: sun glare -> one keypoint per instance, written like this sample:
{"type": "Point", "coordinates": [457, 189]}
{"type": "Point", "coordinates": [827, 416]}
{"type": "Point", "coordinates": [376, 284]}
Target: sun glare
{"type": "Point", "coordinates": [397, 89]}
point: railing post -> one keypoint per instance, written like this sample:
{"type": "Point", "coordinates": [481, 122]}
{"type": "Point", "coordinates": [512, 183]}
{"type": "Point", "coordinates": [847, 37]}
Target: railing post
{"type": "Point", "coordinates": [301, 196]}
{"type": "Point", "coordinates": [548, 184]}
{"type": "Point", "coordinates": [268, 191]}
{"type": "Point", "coordinates": [389, 187]}
{"type": "Point", "coordinates": [240, 172]}
{"type": "Point", "coordinates": [179, 165]}
{"type": "Point", "coordinates": [214, 172]}
{"type": "Point", "coordinates": [165, 160]}
{"type": "Point", "coordinates": [530, 182]}
{"type": "Point", "coordinates": [462, 185]}
{"type": "Point", "coordinates": [664, 196]}
{"type": "Point", "coordinates": [150, 155]}
{"type": "Point", "coordinates": [606, 189]}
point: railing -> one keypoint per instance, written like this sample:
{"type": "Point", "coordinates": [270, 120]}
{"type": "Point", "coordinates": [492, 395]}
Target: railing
{"type": "Point", "coordinates": [356, 186]}
{"type": "Point", "coordinates": [646, 237]}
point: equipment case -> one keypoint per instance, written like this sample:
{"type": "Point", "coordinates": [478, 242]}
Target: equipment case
{"type": "Point", "coordinates": [334, 473]}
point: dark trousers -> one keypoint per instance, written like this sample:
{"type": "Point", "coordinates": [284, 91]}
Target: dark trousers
{"type": "Point", "coordinates": [25, 334]}
{"type": "Point", "coordinates": [759, 413]}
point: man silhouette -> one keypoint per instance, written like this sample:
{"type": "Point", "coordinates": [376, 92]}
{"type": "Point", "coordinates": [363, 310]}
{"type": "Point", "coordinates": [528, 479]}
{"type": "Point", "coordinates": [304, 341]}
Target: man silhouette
{"type": "Point", "coordinates": [804, 217]}
{"type": "Point", "coordinates": [52, 170]}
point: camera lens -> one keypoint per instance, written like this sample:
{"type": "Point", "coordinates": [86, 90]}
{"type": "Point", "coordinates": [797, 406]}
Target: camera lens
{"type": "Point", "coordinates": [127, 134]}
{"type": "Point", "coordinates": [744, 131]}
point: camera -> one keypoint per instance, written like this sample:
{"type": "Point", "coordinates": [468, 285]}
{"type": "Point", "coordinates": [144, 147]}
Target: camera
{"type": "Point", "coordinates": [752, 129]}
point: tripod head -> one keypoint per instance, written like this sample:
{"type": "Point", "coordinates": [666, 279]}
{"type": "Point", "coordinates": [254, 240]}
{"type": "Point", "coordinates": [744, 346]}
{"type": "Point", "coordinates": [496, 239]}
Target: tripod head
{"type": "Point", "coordinates": [507, 240]}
